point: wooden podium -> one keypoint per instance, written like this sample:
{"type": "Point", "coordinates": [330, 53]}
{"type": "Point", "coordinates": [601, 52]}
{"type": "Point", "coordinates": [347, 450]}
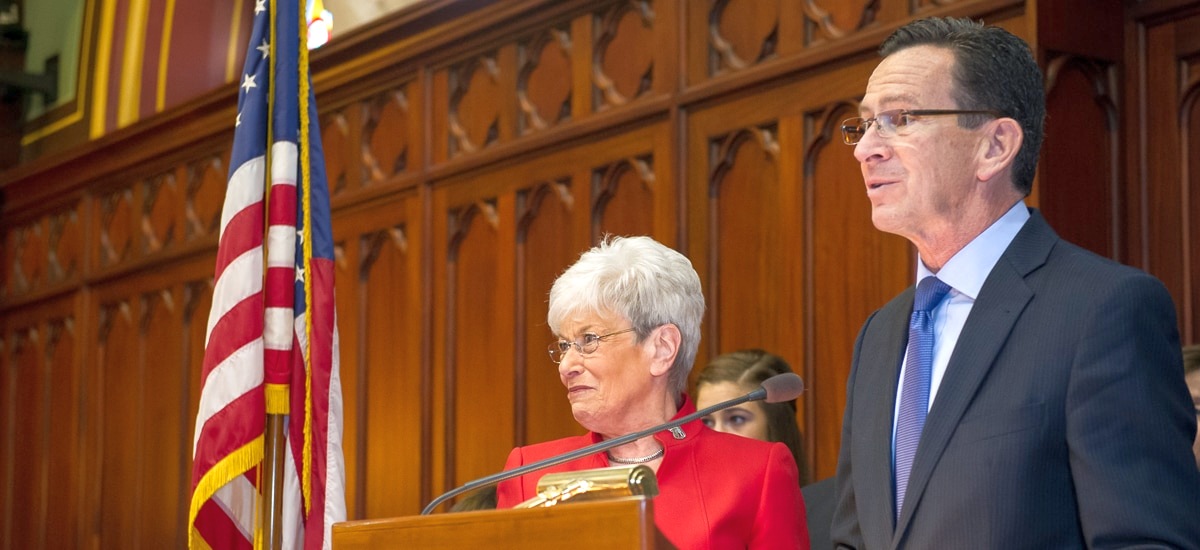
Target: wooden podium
{"type": "Point", "coordinates": [618, 523]}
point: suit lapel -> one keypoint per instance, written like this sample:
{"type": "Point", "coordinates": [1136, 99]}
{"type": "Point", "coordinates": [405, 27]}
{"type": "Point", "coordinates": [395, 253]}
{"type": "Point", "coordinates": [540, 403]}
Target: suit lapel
{"type": "Point", "coordinates": [1001, 300]}
{"type": "Point", "coordinates": [890, 336]}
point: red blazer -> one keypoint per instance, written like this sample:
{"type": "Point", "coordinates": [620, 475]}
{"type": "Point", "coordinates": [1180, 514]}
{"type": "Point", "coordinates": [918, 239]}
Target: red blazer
{"type": "Point", "coordinates": [716, 490]}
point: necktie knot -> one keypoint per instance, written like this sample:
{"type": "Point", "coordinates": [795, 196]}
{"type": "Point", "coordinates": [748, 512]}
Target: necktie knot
{"type": "Point", "coordinates": [930, 292]}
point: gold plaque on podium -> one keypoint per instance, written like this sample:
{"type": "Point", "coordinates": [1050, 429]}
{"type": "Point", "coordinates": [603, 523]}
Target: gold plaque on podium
{"type": "Point", "coordinates": [596, 484]}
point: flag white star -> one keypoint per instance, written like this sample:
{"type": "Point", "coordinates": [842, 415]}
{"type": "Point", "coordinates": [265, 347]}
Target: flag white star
{"type": "Point", "coordinates": [299, 274]}
{"type": "Point", "coordinates": [248, 82]}
{"type": "Point", "coordinates": [260, 6]}
{"type": "Point", "coordinates": [264, 48]}
{"type": "Point", "coordinates": [238, 122]}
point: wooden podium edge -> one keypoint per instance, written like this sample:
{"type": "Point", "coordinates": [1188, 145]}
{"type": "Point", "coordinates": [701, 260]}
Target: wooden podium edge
{"type": "Point", "coordinates": [626, 522]}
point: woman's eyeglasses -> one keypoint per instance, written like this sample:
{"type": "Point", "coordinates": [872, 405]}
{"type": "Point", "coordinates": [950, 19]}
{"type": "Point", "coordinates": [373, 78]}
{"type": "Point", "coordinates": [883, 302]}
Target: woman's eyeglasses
{"type": "Point", "coordinates": [584, 344]}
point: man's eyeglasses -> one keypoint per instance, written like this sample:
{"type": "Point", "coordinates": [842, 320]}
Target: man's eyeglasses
{"type": "Point", "coordinates": [896, 123]}
{"type": "Point", "coordinates": [584, 344]}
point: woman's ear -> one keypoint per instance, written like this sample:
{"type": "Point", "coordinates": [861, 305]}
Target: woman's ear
{"type": "Point", "coordinates": [1000, 147]}
{"type": "Point", "coordinates": [666, 340]}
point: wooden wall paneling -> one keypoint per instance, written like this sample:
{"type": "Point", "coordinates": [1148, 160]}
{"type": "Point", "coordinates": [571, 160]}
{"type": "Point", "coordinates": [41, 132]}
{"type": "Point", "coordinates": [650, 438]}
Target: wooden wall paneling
{"type": "Point", "coordinates": [1079, 181]}
{"type": "Point", "coordinates": [196, 305]}
{"type": "Point", "coordinates": [27, 527]}
{"type": "Point", "coordinates": [347, 250]}
{"type": "Point", "coordinates": [161, 361]}
{"type": "Point", "coordinates": [338, 145]}
{"type": "Point", "coordinates": [830, 20]}
{"type": "Point", "coordinates": [1187, 50]}
{"type": "Point", "coordinates": [89, 326]}
{"type": "Point", "coordinates": [8, 248]}
{"type": "Point", "coordinates": [668, 47]}
{"type": "Point", "coordinates": [1190, 205]}
{"type": "Point", "coordinates": [65, 255]}
{"type": "Point", "coordinates": [1159, 193]}
{"type": "Point", "coordinates": [8, 414]}
{"type": "Point", "coordinates": [387, 464]}
{"type": "Point", "coordinates": [390, 134]}
{"type": "Point", "coordinates": [161, 210]}
{"type": "Point", "coordinates": [543, 94]}
{"type": "Point", "coordinates": [726, 36]}
{"type": "Point", "coordinates": [754, 223]}
{"type": "Point", "coordinates": [665, 161]}
{"type": "Point", "coordinates": [478, 367]}
{"type": "Point", "coordinates": [438, 137]}
{"type": "Point", "coordinates": [1163, 143]}
{"type": "Point", "coordinates": [623, 54]}
{"type": "Point", "coordinates": [41, 390]}
{"type": "Point", "coordinates": [1078, 176]}
{"type": "Point", "coordinates": [544, 248]}
{"type": "Point", "coordinates": [43, 255]}
{"type": "Point", "coordinates": [120, 394]}
{"type": "Point", "coordinates": [587, 157]}
{"type": "Point", "coordinates": [26, 249]}
{"type": "Point", "coordinates": [116, 229]}
{"type": "Point", "coordinates": [582, 67]}
{"type": "Point", "coordinates": [143, 407]}
{"type": "Point", "coordinates": [1081, 27]}
{"type": "Point", "coordinates": [64, 512]}
{"type": "Point", "coordinates": [624, 195]}
{"type": "Point", "coordinates": [40, 505]}
{"type": "Point", "coordinates": [475, 105]}
{"type": "Point", "coordinates": [205, 195]}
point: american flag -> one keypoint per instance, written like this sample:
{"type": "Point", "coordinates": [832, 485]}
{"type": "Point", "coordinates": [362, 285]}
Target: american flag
{"type": "Point", "coordinates": [272, 344]}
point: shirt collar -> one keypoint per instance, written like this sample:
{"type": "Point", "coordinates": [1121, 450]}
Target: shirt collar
{"type": "Point", "coordinates": [966, 271]}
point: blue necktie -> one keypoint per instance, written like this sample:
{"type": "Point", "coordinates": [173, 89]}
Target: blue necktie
{"type": "Point", "coordinates": [914, 401]}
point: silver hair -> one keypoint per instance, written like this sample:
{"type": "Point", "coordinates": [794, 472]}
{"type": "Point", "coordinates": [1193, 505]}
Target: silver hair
{"type": "Point", "coordinates": [642, 280]}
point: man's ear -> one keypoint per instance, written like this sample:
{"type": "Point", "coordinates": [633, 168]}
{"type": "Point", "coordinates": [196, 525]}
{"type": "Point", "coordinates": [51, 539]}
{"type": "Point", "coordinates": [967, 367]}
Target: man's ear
{"type": "Point", "coordinates": [999, 149]}
{"type": "Point", "coordinates": [666, 340]}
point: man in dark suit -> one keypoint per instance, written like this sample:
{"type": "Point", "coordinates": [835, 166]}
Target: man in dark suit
{"type": "Point", "coordinates": [1027, 393]}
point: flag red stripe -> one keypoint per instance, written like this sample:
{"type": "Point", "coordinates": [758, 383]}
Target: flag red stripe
{"type": "Point", "coordinates": [276, 359]}
{"type": "Point", "coordinates": [280, 287]}
{"type": "Point", "coordinates": [218, 529]}
{"type": "Point", "coordinates": [239, 326]}
{"type": "Point", "coordinates": [241, 234]}
{"type": "Point", "coordinates": [283, 205]}
{"type": "Point", "coordinates": [227, 430]}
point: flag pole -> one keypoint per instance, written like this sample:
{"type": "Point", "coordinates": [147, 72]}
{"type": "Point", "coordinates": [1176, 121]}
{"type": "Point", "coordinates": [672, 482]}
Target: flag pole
{"type": "Point", "coordinates": [276, 388]}
{"type": "Point", "coordinates": [272, 502]}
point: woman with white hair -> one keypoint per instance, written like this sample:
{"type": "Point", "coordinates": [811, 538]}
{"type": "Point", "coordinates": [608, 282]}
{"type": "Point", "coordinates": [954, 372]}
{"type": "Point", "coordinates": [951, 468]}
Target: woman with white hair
{"type": "Point", "coordinates": [627, 315]}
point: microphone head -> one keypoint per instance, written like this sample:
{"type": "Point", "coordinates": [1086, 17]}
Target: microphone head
{"type": "Point", "coordinates": [783, 387]}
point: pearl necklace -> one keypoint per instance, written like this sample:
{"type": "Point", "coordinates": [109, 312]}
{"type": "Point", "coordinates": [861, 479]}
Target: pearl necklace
{"type": "Point", "coordinates": [638, 460]}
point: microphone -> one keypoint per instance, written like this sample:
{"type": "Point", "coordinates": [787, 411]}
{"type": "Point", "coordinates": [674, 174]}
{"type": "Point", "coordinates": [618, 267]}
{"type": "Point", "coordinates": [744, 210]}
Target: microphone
{"type": "Point", "coordinates": [778, 388]}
